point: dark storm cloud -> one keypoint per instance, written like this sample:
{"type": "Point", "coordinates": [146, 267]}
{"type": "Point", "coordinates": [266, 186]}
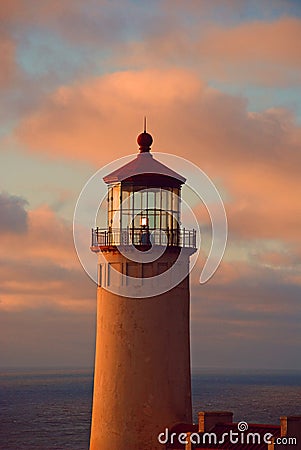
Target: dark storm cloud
{"type": "Point", "coordinates": [13, 216]}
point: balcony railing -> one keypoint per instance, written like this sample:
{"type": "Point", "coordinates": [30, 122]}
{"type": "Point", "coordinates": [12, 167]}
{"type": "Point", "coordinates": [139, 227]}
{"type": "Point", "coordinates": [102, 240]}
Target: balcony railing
{"type": "Point", "coordinates": [139, 236]}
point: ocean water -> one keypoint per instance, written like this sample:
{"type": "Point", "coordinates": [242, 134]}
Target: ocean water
{"type": "Point", "coordinates": [51, 409]}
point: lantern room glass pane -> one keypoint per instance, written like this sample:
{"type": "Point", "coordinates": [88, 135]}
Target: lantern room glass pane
{"type": "Point", "coordinates": [169, 221]}
{"type": "Point", "coordinates": [157, 220]}
{"type": "Point", "coordinates": [116, 219]}
{"type": "Point", "coordinates": [125, 199]}
{"type": "Point", "coordinates": [175, 221]}
{"type": "Point", "coordinates": [144, 199]}
{"type": "Point", "coordinates": [116, 197]}
{"type": "Point", "coordinates": [168, 200]}
{"type": "Point", "coordinates": [137, 221]}
{"type": "Point", "coordinates": [163, 206]}
{"type": "Point", "coordinates": [158, 198]}
{"type": "Point", "coordinates": [132, 200]}
{"type": "Point", "coordinates": [175, 200]}
{"type": "Point", "coordinates": [137, 200]}
{"type": "Point", "coordinates": [151, 200]}
{"type": "Point", "coordinates": [110, 199]}
{"type": "Point", "coordinates": [151, 220]}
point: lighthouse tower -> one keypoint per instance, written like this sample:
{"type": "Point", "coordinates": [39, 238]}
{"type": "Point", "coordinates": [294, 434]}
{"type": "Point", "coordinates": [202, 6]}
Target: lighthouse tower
{"type": "Point", "coordinates": [142, 382]}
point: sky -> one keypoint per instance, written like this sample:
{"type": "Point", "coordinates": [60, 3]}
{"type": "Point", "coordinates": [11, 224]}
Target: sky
{"type": "Point", "coordinates": [220, 84]}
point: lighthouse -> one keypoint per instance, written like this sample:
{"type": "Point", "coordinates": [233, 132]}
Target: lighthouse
{"type": "Point", "coordinates": [142, 377]}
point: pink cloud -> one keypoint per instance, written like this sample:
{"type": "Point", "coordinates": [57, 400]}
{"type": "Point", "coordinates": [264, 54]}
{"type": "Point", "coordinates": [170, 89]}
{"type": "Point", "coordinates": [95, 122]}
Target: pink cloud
{"type": "Point", "coordinates": [255, 156]}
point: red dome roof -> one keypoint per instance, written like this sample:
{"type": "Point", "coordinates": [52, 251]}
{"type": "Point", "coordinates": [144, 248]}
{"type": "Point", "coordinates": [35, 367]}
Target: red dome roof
{"type": "Point", "coordinates": [143, 164]}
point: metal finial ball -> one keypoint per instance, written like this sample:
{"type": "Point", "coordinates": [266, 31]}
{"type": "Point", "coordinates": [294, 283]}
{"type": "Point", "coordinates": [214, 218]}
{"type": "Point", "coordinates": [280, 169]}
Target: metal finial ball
{"type": "Point", "coordinates": [144, 141]}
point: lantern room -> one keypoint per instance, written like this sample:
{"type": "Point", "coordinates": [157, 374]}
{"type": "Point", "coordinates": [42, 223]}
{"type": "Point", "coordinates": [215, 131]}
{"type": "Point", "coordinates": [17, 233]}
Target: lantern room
{"type": "Point", "coordinates": [143, 205]}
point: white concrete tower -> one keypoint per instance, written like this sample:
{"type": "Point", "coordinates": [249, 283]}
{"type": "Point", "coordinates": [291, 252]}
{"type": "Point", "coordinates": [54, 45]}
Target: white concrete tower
{"type": "Point", "coordinates": [142, 380]}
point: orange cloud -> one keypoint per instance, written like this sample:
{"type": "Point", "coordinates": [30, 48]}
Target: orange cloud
{"type": "Point", "coordinates": [266, 52]}
{"type": "Point", "coordinates": [29, 10]}
{"type": "Point", "coordinates": [91, 120]}
{"type": "Point", "coordinates": [258, 52]}
{"type": "Point", "coordinates": [9, 9]}
{"type": "Point", "coordinates": [277, 41]}
{"type": "Point", "coordinates": [8, 66]}
{"type": "Point", "coordinates": [40, 269]}
{"type": "Point", "coordinates": [254, 156]}
{"type": "Point", "coordinates": [267, 207]}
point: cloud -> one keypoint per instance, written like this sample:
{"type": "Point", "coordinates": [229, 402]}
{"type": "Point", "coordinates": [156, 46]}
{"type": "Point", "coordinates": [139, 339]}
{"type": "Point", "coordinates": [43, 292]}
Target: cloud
{"type": "Point", "coordinates": [9, 68]}
{"type": "Point", "coordinates": [100, 107]}
{"type": "Point", "coordinates": [97, 23]}
{"type": "Point", "coordinates": [44, 286]}
{"type": "Point", "coordinates": [261, 52]}
{"type": "Point", "coordinates": [180, 106]}
{"type": "Point", "coordinates": [254, 156]}
{"type": "Point", "coordinates": [47, 302]}
{"type": "Point", "coordinates": [29, 10]}
{"type": "Point", "coordinates": [13, 216]}
{"type": "Point", "coordinates": [40, 269]}
{"type": "Point", "coordinates": [244, 313]}
{"type": "Point", "coordinates": [10, 9]}
{"type": "Point", "coordinates": [100, 37]}
{"type": "Point", "coordinates": [275, 42]}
